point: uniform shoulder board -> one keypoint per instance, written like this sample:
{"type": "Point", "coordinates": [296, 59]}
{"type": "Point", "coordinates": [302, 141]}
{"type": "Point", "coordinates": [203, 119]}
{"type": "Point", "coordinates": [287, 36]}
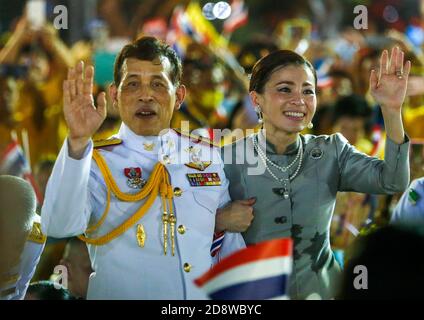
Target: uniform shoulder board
{"type": "Point", "coordinates": [36, 235]}
{"type": "Point", "coordinates": [107, 142]}
{"type": "Point", "coordinates": [196, 138]}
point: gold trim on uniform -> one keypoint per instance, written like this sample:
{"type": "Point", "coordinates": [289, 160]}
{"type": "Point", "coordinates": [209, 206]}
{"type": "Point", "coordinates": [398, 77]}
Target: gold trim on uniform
{"type": "Point", "coordinates": [107, 142]}
{"type": "Point", "coordinates": [148, 146]}
{"type": "Point", "coordinates": [196, 138]}
{"type": "Point", "coordinates": [201, 165]}
{"type": "Point", "coordinates": [141, 235]}
{"type": "Point", "coordinates": [36, 235]}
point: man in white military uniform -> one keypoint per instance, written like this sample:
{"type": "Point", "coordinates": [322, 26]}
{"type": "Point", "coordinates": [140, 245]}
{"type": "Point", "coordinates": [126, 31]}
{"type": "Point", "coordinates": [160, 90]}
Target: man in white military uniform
{"type": "Point", "coordinates": [148, 195]}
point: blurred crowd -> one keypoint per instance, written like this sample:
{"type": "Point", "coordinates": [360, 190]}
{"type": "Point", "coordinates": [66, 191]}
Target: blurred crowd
{"type": "Point", "coordinates": [34, 63]}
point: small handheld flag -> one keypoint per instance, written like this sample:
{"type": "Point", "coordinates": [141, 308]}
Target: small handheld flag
{"type": "Point", "coordinates": [257, 272]}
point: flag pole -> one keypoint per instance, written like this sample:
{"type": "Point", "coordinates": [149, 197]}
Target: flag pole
{"type": "Point", "coordinates": [25, 142]}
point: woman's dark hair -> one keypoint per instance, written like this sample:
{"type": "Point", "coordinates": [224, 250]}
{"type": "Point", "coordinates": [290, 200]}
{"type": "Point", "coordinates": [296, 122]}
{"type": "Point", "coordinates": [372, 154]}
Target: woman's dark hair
{"type": "Point", "coordinates": [265, 67]}
{"type": "Point", "coordinates": [148, 48]}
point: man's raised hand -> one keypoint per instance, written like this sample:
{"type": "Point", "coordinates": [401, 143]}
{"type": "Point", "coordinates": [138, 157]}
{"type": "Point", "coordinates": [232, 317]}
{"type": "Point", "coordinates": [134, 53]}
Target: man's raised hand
{"type": "Point", "coordinates": [82, 116]}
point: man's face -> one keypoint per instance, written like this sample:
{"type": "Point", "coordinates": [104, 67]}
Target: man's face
{"type": "Point", "coordinates": [352, 128]}
{"type": "Point", "coordinates": [146, 97]}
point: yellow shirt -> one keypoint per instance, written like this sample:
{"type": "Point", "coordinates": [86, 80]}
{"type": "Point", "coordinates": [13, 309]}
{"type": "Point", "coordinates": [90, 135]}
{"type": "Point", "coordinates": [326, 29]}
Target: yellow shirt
{"type": "Point", "coordinates": [413, 120]}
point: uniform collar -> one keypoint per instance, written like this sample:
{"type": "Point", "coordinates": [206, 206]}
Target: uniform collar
{"type": "Point", "coordinates": [144, 144]}
{"type": "Point", "coordinates": [270, 148]}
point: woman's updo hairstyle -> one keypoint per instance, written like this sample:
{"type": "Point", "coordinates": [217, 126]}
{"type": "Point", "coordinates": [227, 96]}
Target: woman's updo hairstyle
{"type": "Point", "coordinates": [265, 67]}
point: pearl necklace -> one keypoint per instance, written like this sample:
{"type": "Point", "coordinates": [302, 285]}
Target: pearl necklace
{"type": "Point", "coordinates": [266, 160]}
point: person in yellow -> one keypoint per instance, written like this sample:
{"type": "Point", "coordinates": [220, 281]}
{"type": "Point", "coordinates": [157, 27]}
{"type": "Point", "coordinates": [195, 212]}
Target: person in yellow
{"type": "Point", "coordinates": [38, 106]}
{"type": "Point", "coordinates": [203, 77]}
{"type": "Point", "coordinates": [413, 115]}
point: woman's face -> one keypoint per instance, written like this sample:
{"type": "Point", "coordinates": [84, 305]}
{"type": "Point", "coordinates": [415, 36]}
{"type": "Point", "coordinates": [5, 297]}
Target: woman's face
{"type": "Point", "coordinates": [288, 101]}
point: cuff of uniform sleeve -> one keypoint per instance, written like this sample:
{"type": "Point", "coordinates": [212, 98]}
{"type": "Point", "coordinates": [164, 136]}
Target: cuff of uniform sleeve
{"type": "Point", "coordinates": [393, 151]}
{"type": "Point", "coordinates": [88, 153]}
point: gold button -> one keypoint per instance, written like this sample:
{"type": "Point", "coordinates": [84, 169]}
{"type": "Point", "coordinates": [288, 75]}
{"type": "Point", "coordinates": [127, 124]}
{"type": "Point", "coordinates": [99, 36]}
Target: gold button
{"type": "Point", "coordinates": [187, 267]}
{"type": "Point", "coordinates": [181, 229]}
{"type": "Point", "coordinates": [178, 192]}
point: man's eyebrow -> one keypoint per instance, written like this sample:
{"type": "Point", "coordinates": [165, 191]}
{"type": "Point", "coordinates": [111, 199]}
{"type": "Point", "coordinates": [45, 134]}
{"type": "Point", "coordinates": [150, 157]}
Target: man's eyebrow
{"type": "Point", "coordinates": [158, 76]}
{"type": "Point", "coordinates": [133, 75]}
{"type": "Point", "coordinates": [136, 75]}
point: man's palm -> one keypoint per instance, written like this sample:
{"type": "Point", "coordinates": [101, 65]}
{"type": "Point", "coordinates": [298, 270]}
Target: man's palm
{"type": "Point", "coordinates": [81, 115]}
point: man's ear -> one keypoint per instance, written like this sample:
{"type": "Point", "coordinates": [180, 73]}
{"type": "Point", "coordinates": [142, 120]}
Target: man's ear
{"type": "Point", "coordinates": [180, 94]}
{"type": "Point", "coordinates": [113, 93]}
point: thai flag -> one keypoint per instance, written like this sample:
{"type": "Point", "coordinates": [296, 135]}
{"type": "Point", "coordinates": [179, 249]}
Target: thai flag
{"type": "Point", "coordinates": [218, 238]}
{"type": "Point", "coordinates": [239, 17]}
{"type": "Point", "coordinates": [14, 163]}
{"type": "Point", "coordinates": [183, 24]}
{"type": "Point", "coordinates": [257, 272]}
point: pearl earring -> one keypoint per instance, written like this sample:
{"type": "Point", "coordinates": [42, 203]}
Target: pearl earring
{"type": "Point", "coordinates": [310, 125]}
{"type": "Point", "coordinates": [258, 111]}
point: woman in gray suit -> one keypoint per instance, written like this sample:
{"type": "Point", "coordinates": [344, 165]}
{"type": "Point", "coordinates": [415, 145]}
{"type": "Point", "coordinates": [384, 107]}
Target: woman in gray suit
{"type": "Point", "coordinates": [296, 177]}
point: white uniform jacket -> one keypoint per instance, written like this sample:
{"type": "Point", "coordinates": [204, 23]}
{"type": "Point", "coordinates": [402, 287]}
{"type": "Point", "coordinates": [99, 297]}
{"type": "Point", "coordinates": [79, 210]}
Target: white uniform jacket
{"type": "Point", "coordinates": [76, 198]}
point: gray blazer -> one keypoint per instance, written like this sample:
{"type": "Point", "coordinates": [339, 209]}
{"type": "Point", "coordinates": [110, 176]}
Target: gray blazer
{"type": "Point", "coordinates": [330, 164]}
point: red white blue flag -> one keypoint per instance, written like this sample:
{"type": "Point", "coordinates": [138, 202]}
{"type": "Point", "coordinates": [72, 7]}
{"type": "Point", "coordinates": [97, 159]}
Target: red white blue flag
{"type": "Point", "coordinates": [218, 238]}
{"type": "Point", "coordinates": [238, 18]}
{"type": "Point", "coordinates": [258, 272]}
{"type": "Point", "coordinates": [13, 162]}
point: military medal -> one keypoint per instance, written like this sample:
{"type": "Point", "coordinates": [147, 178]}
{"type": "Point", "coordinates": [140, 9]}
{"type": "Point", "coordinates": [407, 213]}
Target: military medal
{"type": "Point", "coordinates": [141, 235]}
{"type": "Point", "coordinates": [204, 179]}
{"type": "Point", "coordinates": [194, 153]}
{"type": "Point", "coordinates": [134, 178]}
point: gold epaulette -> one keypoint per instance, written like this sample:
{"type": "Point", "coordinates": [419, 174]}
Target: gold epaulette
{"type": "Point", "coordinates": [36, 235]}
{"type": "Point", "coordinates": [196, 138]}
{"type": "Point", "coordinates": [107, 142]}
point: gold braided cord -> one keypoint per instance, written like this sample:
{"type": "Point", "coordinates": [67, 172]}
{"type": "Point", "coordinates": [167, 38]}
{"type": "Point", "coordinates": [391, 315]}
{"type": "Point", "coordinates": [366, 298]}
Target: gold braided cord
{"type": "Point", "coordinates": [157, 183]}
{"type": "Point", "coordinates": [125, 226]}
{"type": "Point", "coordinates": [133, 197]}
{"type": "Point", "coordinates": [104, 215]}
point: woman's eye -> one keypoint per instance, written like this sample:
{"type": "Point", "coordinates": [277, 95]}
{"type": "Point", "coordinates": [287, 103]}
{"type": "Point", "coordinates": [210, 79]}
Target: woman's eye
{"type": "Point", "coordinates": [132, 84]}
{"type": "Point", "coordinates": [283, 89]}
{"type": "Point", "coordinates": [309, 91]}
